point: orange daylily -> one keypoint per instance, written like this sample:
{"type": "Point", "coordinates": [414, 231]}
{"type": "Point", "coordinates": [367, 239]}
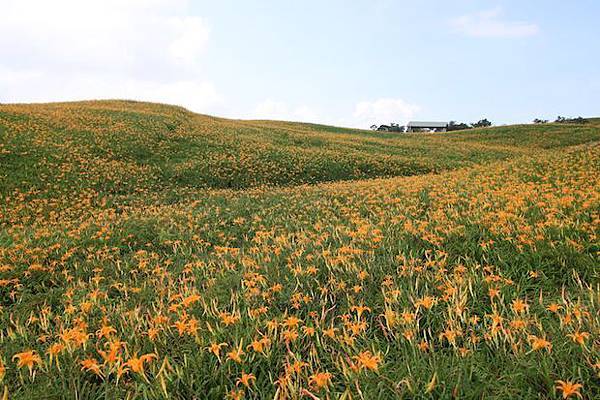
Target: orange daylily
{"type": "Point", "coordinates": [320, 380]}
{"type": "Point", "coordinates": [367, 360]}
{"type": "Point", "coordinates": [216, 349]}
{"type": "Point", "coordinates": [569, 389]}
{"type": "Point", "coordinates": [539, 343]}
{"type": "Point", "coordinates": [236, 354]}
{"type": "Point", "coordinates": [246, 379]}
{"type": "Point", "coordinates": [91, 365]}
{"type": "Point", "coordinates": [27, 359]}
{"type": "Point", "coordinates": [137, 363]}
{"type": "Point", "coordinates": [579, 337]}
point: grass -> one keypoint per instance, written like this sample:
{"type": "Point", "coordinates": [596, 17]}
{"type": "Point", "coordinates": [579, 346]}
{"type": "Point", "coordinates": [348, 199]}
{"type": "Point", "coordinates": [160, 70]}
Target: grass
{"type": "Point", "coordinates": [148, 252]}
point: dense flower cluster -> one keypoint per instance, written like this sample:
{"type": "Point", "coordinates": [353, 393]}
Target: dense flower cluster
{"type": "Point", "coordinates": [475, 282]}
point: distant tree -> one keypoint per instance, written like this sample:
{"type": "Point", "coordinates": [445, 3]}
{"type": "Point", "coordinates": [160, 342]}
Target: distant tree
{"type": "Point", "coordinates": [540, 121]}
{"type": "Point", "coordinates": [394, 127]}
{"type": "Point", "coordinates": [579, 120]}
{"type": "Point", "coordinates": [482, 123]}
{"type": "Point", "coordinates": [563, 120]}
{"type": "Point", "coordinates": [458, 126]}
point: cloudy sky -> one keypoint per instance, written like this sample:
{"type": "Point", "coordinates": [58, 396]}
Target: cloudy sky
{"type": "Point", "coordinates": [343, 62]}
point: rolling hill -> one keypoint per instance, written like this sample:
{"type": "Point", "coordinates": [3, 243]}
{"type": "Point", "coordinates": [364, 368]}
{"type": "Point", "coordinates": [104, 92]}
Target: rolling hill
{"type": "Point", "coordinates": [150, 252]}
{"type": "Point", "coordinates": [119, 146]}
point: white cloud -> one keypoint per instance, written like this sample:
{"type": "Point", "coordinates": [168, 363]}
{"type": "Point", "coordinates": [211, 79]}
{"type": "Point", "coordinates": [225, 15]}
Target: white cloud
{"type": "Point", "coordinates": [365, 113]}
{"type": "Point", "coordinates": [278, 110]}
{"type": "Point", "coordinates": [382, 111]}
{"type": "Point", "coordinates": [72, 49]}
{"type": "Point", "coordinates": [489, 24]}
{"type": "Point", "coordinates": [190, 39]}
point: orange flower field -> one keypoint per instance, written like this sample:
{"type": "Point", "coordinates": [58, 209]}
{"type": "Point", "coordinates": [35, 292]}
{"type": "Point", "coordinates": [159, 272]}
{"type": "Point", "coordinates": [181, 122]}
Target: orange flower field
{"type": "Point", "coordinates": [147, 252]}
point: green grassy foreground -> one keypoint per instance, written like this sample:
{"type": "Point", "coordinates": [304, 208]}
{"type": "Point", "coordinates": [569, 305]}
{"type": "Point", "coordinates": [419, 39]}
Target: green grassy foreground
{"type": "Point", "coordinates": [468, 267]}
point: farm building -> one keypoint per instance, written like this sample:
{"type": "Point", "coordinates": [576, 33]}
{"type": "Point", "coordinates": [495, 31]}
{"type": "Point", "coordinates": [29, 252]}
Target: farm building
{"type": "Point", "coordinates": [431, 126]}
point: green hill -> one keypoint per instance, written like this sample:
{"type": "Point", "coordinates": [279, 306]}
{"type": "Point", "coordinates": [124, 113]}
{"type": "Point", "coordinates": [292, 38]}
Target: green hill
{"type": "Point", "coordinates": [149, 252]}
{"type": "Point", "coordinates": [123, 146]}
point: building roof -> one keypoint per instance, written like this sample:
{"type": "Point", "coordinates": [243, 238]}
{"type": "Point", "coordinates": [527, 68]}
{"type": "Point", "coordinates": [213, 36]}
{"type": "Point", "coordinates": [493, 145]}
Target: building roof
{"type": "Point", "coordinates": [424, 124]}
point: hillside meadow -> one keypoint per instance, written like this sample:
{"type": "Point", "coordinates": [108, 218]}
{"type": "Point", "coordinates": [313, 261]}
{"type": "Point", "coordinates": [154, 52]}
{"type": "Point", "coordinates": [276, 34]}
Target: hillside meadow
{"type": "Point", "coordinates": [147, 252]}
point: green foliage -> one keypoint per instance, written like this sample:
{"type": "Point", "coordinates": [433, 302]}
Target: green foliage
{"type": "Point", "coordinates": [564, 120]}
{"type": "Point", "coordinates": [482, 123]}
{"type": "Point", "coordinates": [458, 126]}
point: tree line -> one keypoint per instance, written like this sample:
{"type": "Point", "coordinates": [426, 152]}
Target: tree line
{"type": "Point", "coordinates": [482, 123]}
{"type": "Point", "coordinates": [562, 120]}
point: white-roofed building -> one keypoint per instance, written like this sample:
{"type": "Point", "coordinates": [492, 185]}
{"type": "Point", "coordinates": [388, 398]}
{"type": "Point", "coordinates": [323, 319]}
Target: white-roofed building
{"type": "Point", "coordinates": [432, 126]}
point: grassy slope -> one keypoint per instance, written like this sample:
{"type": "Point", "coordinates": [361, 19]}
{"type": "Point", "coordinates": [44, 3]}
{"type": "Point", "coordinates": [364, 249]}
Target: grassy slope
{"type": "Point", "coordinates": [147, 235]}
{"type": "Point", "coordinates": [117, 147]}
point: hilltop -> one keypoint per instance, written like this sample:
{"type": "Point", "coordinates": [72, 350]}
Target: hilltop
{"type": "Point", "coordinates": [150, 252]}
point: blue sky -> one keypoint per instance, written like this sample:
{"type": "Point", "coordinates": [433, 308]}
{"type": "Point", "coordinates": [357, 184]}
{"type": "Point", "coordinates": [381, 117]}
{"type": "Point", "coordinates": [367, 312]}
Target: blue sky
{"type": "Point", "coordinates": [350, 63]}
